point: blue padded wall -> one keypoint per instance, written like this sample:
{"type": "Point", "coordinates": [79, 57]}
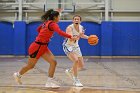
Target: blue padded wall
{"type": "Point", "coordinates": [126, 38]}
{"type": "Point", "coordinates": [106, 39]}
{"type": "Point", "coordinates": [19, 37]}
{"type": "Point", "coordinates": [115, 38]}
{"type": "Point", "coordinates": [120, 39]}
{"type": "Point", "coordinates": [6, 38]}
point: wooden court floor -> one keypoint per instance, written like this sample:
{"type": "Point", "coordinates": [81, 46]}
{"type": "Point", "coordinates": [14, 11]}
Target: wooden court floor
{"type": "Point", "coordinates": [99, 76]}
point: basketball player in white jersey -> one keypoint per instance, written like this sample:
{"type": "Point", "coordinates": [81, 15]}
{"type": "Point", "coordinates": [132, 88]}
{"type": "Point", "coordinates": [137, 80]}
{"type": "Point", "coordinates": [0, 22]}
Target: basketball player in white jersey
{"type": "Point", "coordinates": [72, 49]}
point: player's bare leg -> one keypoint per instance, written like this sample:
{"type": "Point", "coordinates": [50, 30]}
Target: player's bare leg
{"type": "Point", "coordinates": [49, 57]}
{"type": "Point", "coordinates": [31, 63]}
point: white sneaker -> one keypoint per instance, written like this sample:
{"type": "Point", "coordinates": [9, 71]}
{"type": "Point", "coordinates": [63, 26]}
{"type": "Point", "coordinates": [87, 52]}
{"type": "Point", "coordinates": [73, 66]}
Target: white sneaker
{"type": "Point", "coordinates": [69, 73]}
{"type": "Point", "coordinates": [77, 83]}
{"type": "Point", "coordinates": [51, 83]}
{"type": "Point", "coordinates": [17, 78]}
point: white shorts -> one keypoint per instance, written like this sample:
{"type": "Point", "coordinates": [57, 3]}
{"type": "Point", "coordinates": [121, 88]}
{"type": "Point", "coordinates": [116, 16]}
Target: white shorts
{"type": "Point", "coordinates": [69, 48]}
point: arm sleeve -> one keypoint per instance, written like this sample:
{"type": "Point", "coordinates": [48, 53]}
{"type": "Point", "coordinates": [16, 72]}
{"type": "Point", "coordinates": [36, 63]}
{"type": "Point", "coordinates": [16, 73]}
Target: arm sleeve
{"type": "Point", "coordinates": [55, 27]}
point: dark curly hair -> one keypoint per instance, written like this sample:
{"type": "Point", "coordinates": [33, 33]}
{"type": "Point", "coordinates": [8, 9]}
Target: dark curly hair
{"type": "Point", "coordinates": [49, 15]}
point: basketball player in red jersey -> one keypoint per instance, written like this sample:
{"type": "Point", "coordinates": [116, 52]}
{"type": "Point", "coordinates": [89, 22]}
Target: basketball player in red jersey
{"type": "Point", "coordinates": [39, 48]}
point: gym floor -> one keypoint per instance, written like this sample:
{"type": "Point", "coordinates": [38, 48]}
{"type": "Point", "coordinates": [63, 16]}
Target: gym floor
{"type": "Point", "coordinates": [99, 76]}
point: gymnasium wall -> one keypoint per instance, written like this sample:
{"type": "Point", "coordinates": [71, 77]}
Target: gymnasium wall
{"type": "Point", "coordinates": [115, 38]}
{"type": "Point", "coordinates": [6, 38]}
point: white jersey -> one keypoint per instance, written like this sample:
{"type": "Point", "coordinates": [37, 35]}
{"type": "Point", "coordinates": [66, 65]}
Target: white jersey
{"type": "Point", "coordinates": [74, 33]}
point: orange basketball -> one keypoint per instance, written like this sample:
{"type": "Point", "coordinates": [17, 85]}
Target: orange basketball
{"type": "Point", "coordinates": [93, 40]}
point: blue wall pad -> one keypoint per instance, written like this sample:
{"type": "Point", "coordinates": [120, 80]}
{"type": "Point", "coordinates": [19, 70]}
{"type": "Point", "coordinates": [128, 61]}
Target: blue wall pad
{"type": "Point", "coordinates": [19, 37]}
{"type": "Point", "coordinates": [106, 39]}
{"type": "Point", "coordinates": [126, 38]}
{"type": "Point", "coordinates": [115, 38]}
{"type": "Point", "coordinates": [6, 38]}
{"type": "Point", "coordinates": [120, 39]}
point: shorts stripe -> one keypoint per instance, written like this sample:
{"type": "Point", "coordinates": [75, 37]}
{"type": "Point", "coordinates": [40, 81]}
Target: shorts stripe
{"type": "Point", "coordinates": [66, 50]}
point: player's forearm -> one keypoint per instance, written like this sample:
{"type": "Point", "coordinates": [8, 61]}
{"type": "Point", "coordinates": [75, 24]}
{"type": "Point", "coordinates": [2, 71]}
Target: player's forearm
{"type": "Point", "coordinates": [84, 36]}
{"type": "Point", "coordinates": [61, 33]}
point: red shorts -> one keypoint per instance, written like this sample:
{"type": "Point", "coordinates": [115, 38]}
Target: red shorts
{"type": "Point", "coordinates": [36, 50]}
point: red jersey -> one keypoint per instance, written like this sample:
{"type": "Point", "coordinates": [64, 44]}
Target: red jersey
{"type": "Point", "coordinates": [46, 31]}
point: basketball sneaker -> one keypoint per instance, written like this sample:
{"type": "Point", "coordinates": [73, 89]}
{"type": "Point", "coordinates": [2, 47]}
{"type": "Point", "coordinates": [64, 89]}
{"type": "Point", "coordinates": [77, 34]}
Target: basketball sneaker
{"type": "Point", "coordinates": [69, 73]}
{"type": "Point", "coordinates": [17, 77]}
{"type": "Point", "coordinates": [52, 83]}
{"type": "Point", "coordinates": [77, 83]}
